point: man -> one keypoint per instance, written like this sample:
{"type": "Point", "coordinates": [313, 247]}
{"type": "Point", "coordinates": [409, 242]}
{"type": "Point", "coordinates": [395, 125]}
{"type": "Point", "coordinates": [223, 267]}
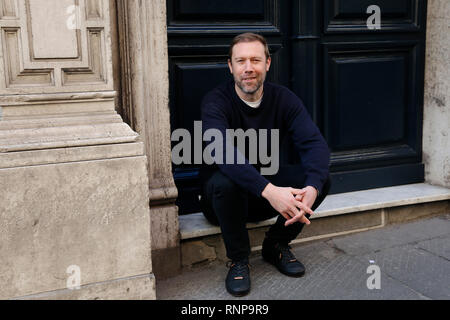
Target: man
{"type": "Point", "coordinates": [234, 194]}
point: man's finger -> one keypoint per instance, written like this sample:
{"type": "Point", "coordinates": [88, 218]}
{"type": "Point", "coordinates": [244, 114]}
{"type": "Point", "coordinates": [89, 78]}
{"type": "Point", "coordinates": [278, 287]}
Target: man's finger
{"type": "Point", "coordinates": [301, 219]}
{"type": "Point", "coordinates": [286, 216]}
{"type": "Point", "coordinates": [304, 207]}
{"type": "Point", "coordinates": [290, 213]}
{"type": "Point", "coordinates": [297, 191]}
{"type": "Point", "coordinates": [298, 218]}
{"type": "Point", "coordinates": [294, 213]}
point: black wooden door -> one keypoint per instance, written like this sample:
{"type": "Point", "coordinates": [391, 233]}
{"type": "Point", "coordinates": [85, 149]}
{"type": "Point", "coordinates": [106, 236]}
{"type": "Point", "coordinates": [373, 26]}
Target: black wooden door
{"type": "Point", "coordinates": [363, 88]}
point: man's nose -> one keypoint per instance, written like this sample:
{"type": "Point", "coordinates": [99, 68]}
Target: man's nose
{"type": "Point", "coordinates": [248, 66]}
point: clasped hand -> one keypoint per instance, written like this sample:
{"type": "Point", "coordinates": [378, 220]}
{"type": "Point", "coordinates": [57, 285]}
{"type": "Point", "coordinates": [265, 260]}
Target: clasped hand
{"type": "Point", "coordinates": [291, 203]}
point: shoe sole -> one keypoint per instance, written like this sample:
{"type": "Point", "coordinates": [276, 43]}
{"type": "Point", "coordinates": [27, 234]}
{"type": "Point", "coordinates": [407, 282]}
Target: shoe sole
{"type": "Point", "coordinates": [238, 294]}
{"type": "Point", "coordinates": [296, 275]}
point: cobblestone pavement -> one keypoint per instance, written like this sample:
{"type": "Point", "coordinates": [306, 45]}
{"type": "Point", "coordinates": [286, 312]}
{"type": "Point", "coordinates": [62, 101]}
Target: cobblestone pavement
{"type": "Point", "coordinates": [413, 259]}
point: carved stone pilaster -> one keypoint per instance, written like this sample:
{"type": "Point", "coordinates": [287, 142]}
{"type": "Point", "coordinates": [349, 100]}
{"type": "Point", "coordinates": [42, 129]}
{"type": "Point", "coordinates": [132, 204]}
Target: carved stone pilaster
{"type": "Point", "coordinates": [145, 96]}
{"type": "Point", "coordinates": [436, 130]}
{"type": "Point", "coordinates": [73, 176]}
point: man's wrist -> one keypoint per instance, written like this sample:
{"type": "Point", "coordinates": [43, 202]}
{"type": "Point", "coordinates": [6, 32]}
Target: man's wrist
{"type": "Point", "coordinates": [266, 190]}
{"type": "Point", "coordinates": [317, 190]}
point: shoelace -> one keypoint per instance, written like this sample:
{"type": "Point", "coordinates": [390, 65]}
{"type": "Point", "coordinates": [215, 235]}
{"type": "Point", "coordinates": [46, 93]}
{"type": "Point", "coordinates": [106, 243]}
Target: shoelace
{"type": "Point", "coordinates": [286, 254]}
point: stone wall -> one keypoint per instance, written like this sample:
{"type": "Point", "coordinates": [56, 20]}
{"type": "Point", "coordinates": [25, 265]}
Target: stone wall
{"type": "Point", "coordinates": [74, 187]}
{"type": "Point", "coordinates": [436, 135]}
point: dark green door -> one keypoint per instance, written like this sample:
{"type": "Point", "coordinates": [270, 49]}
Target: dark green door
{"type": "Point", "coordinates": [363, 88]}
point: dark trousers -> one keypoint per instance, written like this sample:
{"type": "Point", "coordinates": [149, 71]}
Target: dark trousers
{"type": "Point", "coordinates": [227, 205]}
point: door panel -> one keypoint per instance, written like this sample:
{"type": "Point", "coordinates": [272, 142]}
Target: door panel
{"type": "Point", "coordinates": [367, 95]}
{"type": "Point", "coordinates": [197, 11]}
{"type": "Point", "coordinates": [347, 16]}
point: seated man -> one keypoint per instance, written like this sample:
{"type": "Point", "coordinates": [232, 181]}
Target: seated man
{"type": "Point", "coordinates": [234, 194]}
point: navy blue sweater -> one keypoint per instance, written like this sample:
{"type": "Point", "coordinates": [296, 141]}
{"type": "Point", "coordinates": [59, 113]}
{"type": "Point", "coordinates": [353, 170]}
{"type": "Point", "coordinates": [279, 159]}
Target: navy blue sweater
{"type": "Point", "coordinates": [280, 109]}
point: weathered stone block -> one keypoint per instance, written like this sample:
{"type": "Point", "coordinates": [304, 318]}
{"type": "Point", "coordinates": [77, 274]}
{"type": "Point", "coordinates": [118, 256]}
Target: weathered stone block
{"type": "Point", "coordinates": [342, 223]}
{"type": "Point", "coordinates": [217, 243]}
{"type": "Point", "coordinates": [91, 214]}
{"type": "Point", "coordinates": [134, 288]}
{"type": "Point", "coordinates": [166, 263]}
{"type": "Point", "coordinates": [414, 212]}
{"type": "Point", "coordinates": [165, 226]}
{"type": "Point", "coordinates": [194, 252]}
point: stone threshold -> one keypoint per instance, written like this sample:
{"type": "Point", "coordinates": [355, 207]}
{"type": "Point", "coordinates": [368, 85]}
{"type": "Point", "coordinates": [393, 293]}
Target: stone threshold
{"type": "Point", "coordinates": [196, 226]}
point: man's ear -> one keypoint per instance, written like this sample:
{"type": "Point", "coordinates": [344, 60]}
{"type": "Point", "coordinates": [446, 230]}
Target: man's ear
{"type": "Point", "coordinates": [230, 65]}
{"type": "Point", "coordinates": [268, 63]}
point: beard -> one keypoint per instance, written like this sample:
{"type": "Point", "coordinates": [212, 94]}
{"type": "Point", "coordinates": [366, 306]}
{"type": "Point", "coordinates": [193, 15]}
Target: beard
{"type": "Point", "coordinates": [250, 88]}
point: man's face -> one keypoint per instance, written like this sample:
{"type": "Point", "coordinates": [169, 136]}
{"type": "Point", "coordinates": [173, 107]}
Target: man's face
{"type": "Point", "coordinates": [249, 67]}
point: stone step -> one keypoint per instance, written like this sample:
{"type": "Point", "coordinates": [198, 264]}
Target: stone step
{"type": "Point", "coordinates": [339, 214]}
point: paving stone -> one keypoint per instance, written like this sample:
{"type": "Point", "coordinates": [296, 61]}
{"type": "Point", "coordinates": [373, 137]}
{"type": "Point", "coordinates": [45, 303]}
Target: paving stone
{"type": "Point", "coordinates": [420, 270]}
{"type": "Point", "coordinates": [438, 246]}
{"type": "Point", "coordinates": [413, 260]}
{"type": "Point", "coordinates": [391, 236]}
{"type": "Point", "coordinates": [198, 284]}
{"type": "Point", "coordinates": [330, 275]}
{"type": "Point", "coordinates": [341, 278]}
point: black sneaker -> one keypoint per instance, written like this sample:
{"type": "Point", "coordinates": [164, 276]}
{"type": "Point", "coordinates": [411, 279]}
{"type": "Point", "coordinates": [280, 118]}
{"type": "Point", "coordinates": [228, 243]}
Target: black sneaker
{"type": "Point", "coordinates": [238, 278]}
{"type": "Point", "coordinates": [281, 257]}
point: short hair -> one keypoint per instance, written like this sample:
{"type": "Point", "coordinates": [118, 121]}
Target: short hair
{"type": "Point", "coordinates": [249, 37]}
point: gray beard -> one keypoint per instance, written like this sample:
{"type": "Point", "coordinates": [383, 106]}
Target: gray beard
{"type": "Point", "coordinates": [258, 86]}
